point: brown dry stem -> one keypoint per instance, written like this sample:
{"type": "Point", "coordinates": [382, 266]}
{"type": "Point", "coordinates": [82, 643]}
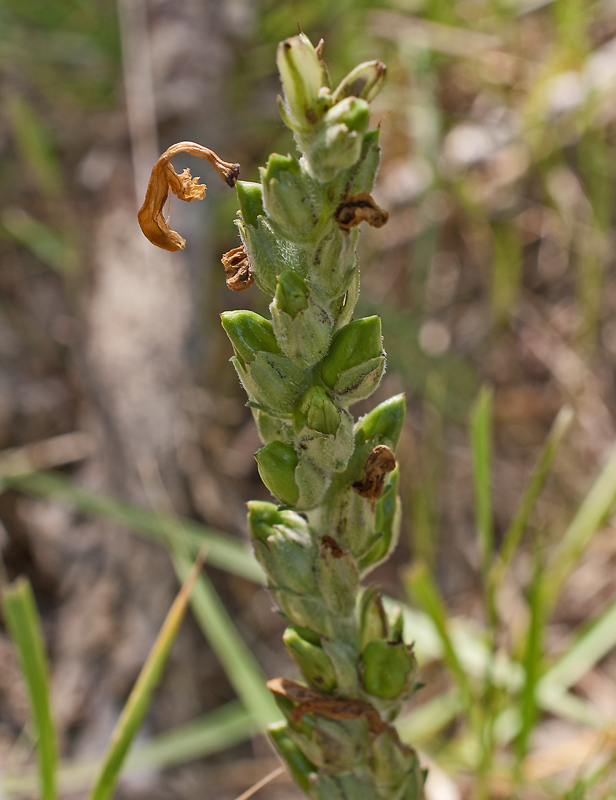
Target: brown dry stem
{"type": "Point", "coordinates": [163, 178]}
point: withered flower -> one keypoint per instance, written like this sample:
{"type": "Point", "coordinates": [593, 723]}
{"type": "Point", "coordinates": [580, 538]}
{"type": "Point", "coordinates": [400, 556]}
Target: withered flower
{"type": "Point", "coordinates": [184, 186]}
{"type": "Point", "coordinates": [380, 461]}
{"type": "Point", "coordinates": [360, 208]}
{"type": "Point", "coordinates": [238, 272]}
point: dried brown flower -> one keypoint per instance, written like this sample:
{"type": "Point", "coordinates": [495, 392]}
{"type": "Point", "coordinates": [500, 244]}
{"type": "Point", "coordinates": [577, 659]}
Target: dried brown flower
{"type": "Point", "coordinates": [163, 178]}
{"type": "Point", "coordinates": [380, 461]}
{"type": "Point", "coordinates": [238, 270]}
{"type": "Point", "coordinates": [360, 208]}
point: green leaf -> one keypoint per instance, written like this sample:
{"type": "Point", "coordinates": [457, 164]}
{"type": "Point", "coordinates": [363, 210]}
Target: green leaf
{"type": "Point", "coordinates": [23, 624]}
{"type": "Point", "coordinates": [141, 696]}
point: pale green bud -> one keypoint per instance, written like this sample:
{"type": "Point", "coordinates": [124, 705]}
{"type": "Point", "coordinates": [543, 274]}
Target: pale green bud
{"type": "Point", "coordinates": [354, 364]}
{"type": "Point", "coordinates": [264, 251]}
{"type": "Point", "coordinates": [300, 767]}
{"type": "Point", "coordinates": [312, 481]}
{"type": "Point", "coordinates": [333, 745]}
{"type": "Point", "coordinates": [287, 198]}
{"type": "Point", "coordinates": [337, 577]}
{"type": "Point", "coordinates": [388, 669]}
{"type": "Point", "coordinates": [386, 525]}
{"type": "Point", "coordinates": [250, 198]}
{"type": "Point", "coordinates": [336, 142]}
{"type": "Point", "coordinates": [373, 622]}
{"type": "Point", "coordinates": [334, 264]}
{"type": "Point", "coordinates": [302, 77]}
{"type": "Point", "coordinates": [385, 422]}
{"type": "Point", "coordinates": [358, 342]}
{"type": "Point", "coordinates": [314, 663]}
{"type": "Point", "coordinates": [302, 328]}
{"type": "Point", "coordinates": [360, 176]}
{"type": "Point", "coordinates": [277, 462]}
{"type": "Point", "coordinates": [344, 657]}
{"type": "Point", "coordinates": [303, 609]}
{"type": "Point", "coordinates": [328, 451]}
{"type": "Point", "coordinates": [318, 412]}
{"type": "Point", "coordinates": [271, 428]}
{"type": "Point", "coordinates": [365, 81]}
{"type": "Point", "coordinates": [284, 546]}
{"type": "Point", "coordinates": [391, 762]}
{"type": "Point", "coordinates": [249, 333]}
{"type": "Point", "coordinates": [274, 384]}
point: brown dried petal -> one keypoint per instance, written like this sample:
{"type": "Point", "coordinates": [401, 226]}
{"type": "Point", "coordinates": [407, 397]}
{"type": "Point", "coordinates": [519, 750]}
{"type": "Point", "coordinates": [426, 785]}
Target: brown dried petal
{"type": "Point", "coordinates": [163, 178]}
{"type": "Point", "coordinates": [360, 208]}
{"type": "Point", "coordinates": [312, 702]}
{"type": "Point", "coordinates": [380, 461]}
{"type": "Point", "coordinates": [329, 543]}
{"type": "Point", "coordinates": [238, 269]}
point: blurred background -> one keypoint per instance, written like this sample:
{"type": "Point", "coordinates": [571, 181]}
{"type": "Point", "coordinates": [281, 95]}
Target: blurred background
{"type": "Point", "coordinates": [496, 267]}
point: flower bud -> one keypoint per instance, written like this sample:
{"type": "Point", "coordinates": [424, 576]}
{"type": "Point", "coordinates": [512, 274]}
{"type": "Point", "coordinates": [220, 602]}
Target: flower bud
{"type": "Point", "coordinates": [391, 763]}
{"type": "Point", "coordinates": [360, 177]}
{"type": "Point", "coordinates": [284, 546]}
{"type": "Point", "coordinates": [250, 198]}
{"type": "Point", "coordinates": [373, 622]}
{"type": "Point", "coordinates": [273, 383]}
{"type": "Point", "coordinates": [271, 428]}
{"type": "Point", "coordinates": [354, 364]}
{"type": "Point", "coordinates": [334, 265]}
{"type": "Point", "coordinates": [300, 768]}
{"type": "Point", "coordinates": [302, 328]}
{"type": "Point", "coordinates": [302, 78]}
{"type": "Point", "coordinates": [382, 423]}
{"type": "Point", "coordinates": [386, 524]}
{"type": "Point", "coordinates": [333, 745]}
{"type": "Point", "coordinates": [277, 463]}
{"type": "Point", "coordinates": [287, 198]}
{"type": "Point", "coordinates": [314, 663]}
{"type": "Point", "coordinates": [318, 412]}
{"type": "Point", "coordinates": [365, 81]}
{"type": "Point", "coordinates": [388, 669]}
{"type": "Point", "coordinates": [336, 142]}
{"type": "Point", "coordinates": [249, 333]}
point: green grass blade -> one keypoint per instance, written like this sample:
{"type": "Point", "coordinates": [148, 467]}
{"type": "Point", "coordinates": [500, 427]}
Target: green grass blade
{"type": "Point", "coordinates": [23, 624]}
{"type": "Point", "coordinates": [595, 507]}
{"type": "Point", "coordinates": [590, 648]}
{"type": "Point", "coordinates": [481, 441]}
{"type": "Point", "coordinates": [213, 732]}
{"type": "Point", "coordinates": [512, 537]}
{"type": "Point", "coordinates": [426, 594]}
{"type": "Point", "coordinates": [224, 551]}
{"type": "Point", "coordinates": [533, 657]}
{"type": "Point", "coordinates": [141, 696]}
{"type": "Point", "coordinates": [428, 719]}
{"type": "Point", "coordinates": [244, 673]}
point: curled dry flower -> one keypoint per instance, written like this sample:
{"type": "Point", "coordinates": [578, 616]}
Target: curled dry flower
{"type": "Point", "coordinates": [238, 272]}
{"type": "Point", "coordinates": [163, 178]}
{"type": "Point", "coordinates": [360, 208]}
{"type": "Point", "coordinates": [380, 461]}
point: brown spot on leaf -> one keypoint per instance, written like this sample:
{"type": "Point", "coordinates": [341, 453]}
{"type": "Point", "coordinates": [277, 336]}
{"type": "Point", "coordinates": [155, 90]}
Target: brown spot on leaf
{"type": "Point", "coordinates": [329, 543]}
{"type": "Point", "coordinates": [238, 270]}
{"type": "Point", "coordinates": [184, 186]}
{"type": "Point", "coordinates": [360, 208]}
{"type": "Point", "coordinates": [310, 701]}
{"type": "Point", "coordinates": [380, 461]}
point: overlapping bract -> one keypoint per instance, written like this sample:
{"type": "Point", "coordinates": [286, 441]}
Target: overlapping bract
{"type": "Point", "coordinates": [302, 369]}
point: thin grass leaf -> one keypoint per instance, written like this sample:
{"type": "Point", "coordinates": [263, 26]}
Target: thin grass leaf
{"type": "Point", "coordinates": [141, 696]}
{"type": "Point", "coordinates": [589, 648]}
{"type": "Point", "coordinates": [426, 594]}
{"type": "Point", "coordinates": [241, 668]}
{"type": "Point", "coordinates": [426, 721]}
{"type": "Point", "coordinates": [224, 551]}
{"type": "Point", "coordinates": [213, 732]}
{"type": "Point", "coordinates": [594, 509]}
{"type": "Point", "coordinates": [533, 657]}
{"type": "Point", "coordinates": [54, 249]}
{"type": "Point", "coordinates": [481, 441]}
{"type": "Point", "coordinates": [512, 537]}
{"type": "Point", "coordinates": [24, 626]}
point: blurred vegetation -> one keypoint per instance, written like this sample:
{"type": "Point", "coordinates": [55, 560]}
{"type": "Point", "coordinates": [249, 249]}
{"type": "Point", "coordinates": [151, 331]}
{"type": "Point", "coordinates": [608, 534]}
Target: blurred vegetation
{"type": "Point", "coordinates": [496, 269]}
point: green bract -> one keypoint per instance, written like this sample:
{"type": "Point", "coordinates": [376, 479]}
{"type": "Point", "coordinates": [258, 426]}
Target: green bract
{"type": "Point", "coordinates": [338, 515]}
